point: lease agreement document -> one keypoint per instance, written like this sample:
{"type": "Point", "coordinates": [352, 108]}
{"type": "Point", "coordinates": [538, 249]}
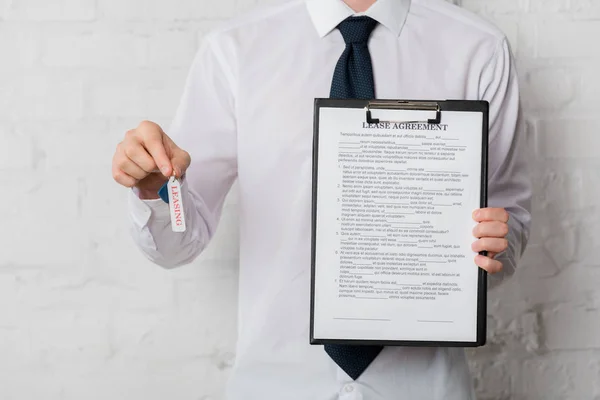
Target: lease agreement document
{"type": "Point", "coordinates": [393, 234]}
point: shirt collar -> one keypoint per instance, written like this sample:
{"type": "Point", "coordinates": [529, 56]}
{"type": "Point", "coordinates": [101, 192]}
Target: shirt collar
{"type": "Point", "coordinates": [327, 14]}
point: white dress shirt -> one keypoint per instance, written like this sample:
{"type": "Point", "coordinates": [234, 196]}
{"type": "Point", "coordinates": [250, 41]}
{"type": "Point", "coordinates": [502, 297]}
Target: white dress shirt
{"type": "Point", "coordinates": [247, 114]}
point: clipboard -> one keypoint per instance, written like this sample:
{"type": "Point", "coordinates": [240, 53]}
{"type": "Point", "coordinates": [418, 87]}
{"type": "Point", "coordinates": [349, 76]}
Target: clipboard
{"type": "Point", "coordinates": [430, 117]}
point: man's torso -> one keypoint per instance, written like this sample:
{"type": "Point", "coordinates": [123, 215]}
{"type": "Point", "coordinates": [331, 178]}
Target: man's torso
{"type": "Point", "coordinates": [281, 65]}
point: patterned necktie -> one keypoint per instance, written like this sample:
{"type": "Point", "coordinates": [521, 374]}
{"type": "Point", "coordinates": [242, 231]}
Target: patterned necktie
{"type": "Point", "coordinates": [353, 76]}
{"type": "Point", "coordinates": [353, 79]}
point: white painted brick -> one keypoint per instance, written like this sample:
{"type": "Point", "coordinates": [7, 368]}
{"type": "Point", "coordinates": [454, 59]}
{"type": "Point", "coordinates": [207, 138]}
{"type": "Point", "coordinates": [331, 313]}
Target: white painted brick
{"type": "Point", "coordinates": [95, 50]}
{"type": "Point", "coordinates": [561, 191]}
{"type": "Point", "coordinates": [20, 47]}
{"type": "Point", "coordinates": [55, 10]}
{"type": "Point", "coordinates": [548, 6]}
{"type": "Point", "coordinates": [537, 264]}
{"type": "Point", "coordinates": [189, 337]}
{"type": "Point", "coordinates": [150, 10]}
{"type": "Point", "coordinates": [590, 187]}
{"type": "Point", "coordinates": [83, 289]}
{"type": "Point", "coordinates": [573, 284]}
{"type": "Point", "coordinates": [527, 328]}
{"type": "Point", "coordinates": [136, 93]}
{"type": "Point", "coordinates": [59, 338]}
{"type": "Point", "coordinates": [526, 46]}
{"type": "Point", "coordinates": [492, 380]}
{"type": "Point", "coordinates": [588, 88]}
{"type": "Point", "coordinates": [586, 9]}
{"type": "Point", "coordinates": [572, 326]}
{"type": "Point", "coordinates": [45, 151]}
{"type": "Point", "coordinates": [42, 95]}
{"type": "Point", "coordinates": [3, 8]}
{"type": "Point", "coordinates": [551, 88]}
{"type": "Point", "coordinates": [121, 46]}
{"type": "Point", "coordinates": [9, 288]}
{"type": "Point", "coordinates": [559, 376]}
{"type": "Point", "coordinates": [569, 139]}
{"type": "Point", "coordinates": [562, 38]}
{"type": "Point", "coordinates": [171, 49]}
{"type": "Point", "coordinates": [148, 381]}
{"type": "Point", "coordinates": [15, 383]}
{"type": "Point", "coordinates": [54, 197]}
{"type": "Point", "coordinates": [16, 152]}
{"type": "Point", "coordinates": [474, 6]}
{"type": "Point", "coordinates": [495, 7]}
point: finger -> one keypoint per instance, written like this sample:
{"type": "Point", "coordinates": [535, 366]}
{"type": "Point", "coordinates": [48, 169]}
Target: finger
{"type": "Point", "coordinates": [486, 263]}
{"type": "Point", "coordinates": [180, 163]}
{"type": "Point", "coordinates": [491, 254]}
{"type": "Point", "coordinates": [124, 164]}
{"type": "Point", "coordinates": [496, 245]}
{"type": "Point", "coordinates": [132, 169]}
{"type": "Point", "coordinates": [490, 229]}
{"type": "Point", "coordinates": [180, 159]}
{"type": "Point", "coordinates": [490, 214]}
{"type": "Point", "coordinates": [139, 156]}
{"type": "Point", "coordinates": [122, 178]}
{"type": "Point", "coordinates": [151, 136]}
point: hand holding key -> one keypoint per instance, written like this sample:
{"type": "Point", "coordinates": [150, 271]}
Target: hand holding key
{"type": "Point", "coordinates": [147, 158]}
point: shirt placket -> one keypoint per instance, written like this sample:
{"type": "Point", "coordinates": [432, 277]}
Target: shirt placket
{"type": "Point", "coordinates": [351, 391]}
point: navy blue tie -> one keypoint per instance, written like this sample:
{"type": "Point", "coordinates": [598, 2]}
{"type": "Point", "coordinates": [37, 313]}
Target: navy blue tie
{"type": "Point", "coordinates": [353, 76]}
{"type": "Point", "coordinates": [353, 79]}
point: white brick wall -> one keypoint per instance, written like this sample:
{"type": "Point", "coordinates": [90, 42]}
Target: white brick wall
{"type": "Point", "coordinates": [84, 316]}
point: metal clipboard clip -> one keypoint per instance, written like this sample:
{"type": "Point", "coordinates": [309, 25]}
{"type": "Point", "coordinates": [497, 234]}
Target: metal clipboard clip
{"type": "Point", "coordinates": [405, 105]}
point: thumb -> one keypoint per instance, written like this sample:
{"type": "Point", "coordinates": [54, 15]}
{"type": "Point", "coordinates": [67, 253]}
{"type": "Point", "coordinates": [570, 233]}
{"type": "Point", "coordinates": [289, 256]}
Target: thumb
{"type": "Point", "coordinates": [181, 161]}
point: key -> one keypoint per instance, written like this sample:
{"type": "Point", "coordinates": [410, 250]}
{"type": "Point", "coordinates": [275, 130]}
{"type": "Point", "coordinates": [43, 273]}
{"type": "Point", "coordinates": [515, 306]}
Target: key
{"type": "Point", "coordinates": [176, 205]}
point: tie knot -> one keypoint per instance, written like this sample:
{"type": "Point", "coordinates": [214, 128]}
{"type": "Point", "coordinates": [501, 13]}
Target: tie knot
{"type": "Point", "coordinates": [357, 30]}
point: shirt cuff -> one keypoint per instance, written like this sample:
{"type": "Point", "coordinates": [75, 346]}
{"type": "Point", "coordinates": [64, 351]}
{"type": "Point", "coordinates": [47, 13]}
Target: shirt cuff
{"type": "Point", "coordinates": [142, 210]}
{"type": "Point", "coordinates": [511, 256]}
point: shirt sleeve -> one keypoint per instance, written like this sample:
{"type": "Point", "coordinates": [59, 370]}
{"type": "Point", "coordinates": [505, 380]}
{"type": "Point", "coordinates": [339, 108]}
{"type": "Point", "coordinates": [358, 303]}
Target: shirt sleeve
{"type": "Point", "coordinates": [204, 126]}
{"type": "Point", "coordinates": [509, 185]}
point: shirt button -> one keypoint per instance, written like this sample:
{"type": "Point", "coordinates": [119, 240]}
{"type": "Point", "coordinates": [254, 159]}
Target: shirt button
{"type": "Point", "coordinates": [349, 388]}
